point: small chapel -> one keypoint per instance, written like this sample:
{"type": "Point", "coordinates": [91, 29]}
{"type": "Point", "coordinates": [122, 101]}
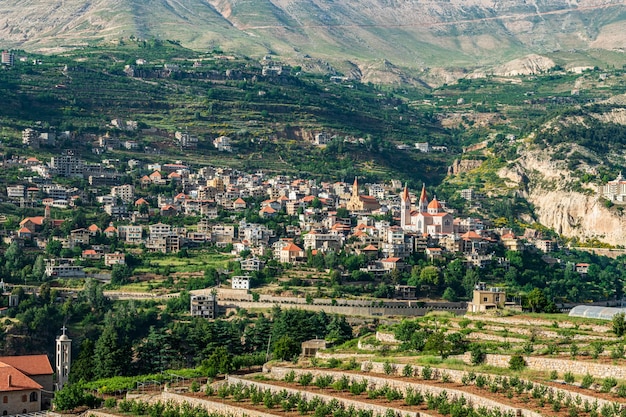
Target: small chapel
{"type": "Point", "coordinates": [427, 218]}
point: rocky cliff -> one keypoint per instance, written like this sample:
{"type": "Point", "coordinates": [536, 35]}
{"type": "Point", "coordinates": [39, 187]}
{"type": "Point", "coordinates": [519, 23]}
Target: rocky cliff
{"type": "Point", "coordinates": [570, 211]}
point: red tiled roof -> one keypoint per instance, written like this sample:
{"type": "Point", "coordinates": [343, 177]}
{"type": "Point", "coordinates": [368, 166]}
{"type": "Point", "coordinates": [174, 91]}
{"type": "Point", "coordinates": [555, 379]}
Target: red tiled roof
{"type": "Point", "coordinates": [370, 248]}
{"type": "Point", "coordinates": [392, 260]}
{"type": "Point", "coordinates": [38, 220]}
{"type": "Point", "coordinates": [268, 210]}
{"type": "Point", "coordinates": [470, 235]}
{"type": "Point", "coordinates": [93, 228]}
{"type": "Point", "coordinates": [239, 201]}
{"type": "Point", "coordinates": [18, 381]}
{"type": "Point", "coordinates": [30, 365]}
{"type": "Point", "coordinates": [292, 247]}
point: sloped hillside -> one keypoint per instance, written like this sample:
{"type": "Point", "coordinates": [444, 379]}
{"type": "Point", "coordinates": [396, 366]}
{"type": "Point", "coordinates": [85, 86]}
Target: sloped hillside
{"type": "Point", "coordinates": [412, 33]}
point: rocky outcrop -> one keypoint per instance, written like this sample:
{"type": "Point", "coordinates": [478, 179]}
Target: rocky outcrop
{"type": "Point", "coordinates": [547, 184]}
{"type": "Point", "coordinates": [463, 165]}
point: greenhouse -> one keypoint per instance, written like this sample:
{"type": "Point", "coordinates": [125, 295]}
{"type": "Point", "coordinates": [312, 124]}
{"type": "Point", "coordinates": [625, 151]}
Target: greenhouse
{"type": "Point", "coordinates": [596, 312]}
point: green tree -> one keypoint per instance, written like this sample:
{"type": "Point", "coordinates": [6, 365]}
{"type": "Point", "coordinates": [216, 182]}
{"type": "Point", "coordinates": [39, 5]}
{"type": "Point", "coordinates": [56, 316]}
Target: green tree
{"type": "Point", "coordinates": [619, 324]}
{"type": "Point", "coordinates": [112, 354]}
{"type": "Point", "coordinates": [39, 268]}
{"type": "Point", "coordinates": [536, 300]}
{"type": "Point", "coordinates": [286, 348]}
{"type": "Point", "coordinates": [82, 366]}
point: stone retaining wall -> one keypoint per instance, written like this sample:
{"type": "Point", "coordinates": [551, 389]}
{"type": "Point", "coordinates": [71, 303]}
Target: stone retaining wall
{"type": "Point", "coordinates": [214, 406]}
{"type": "Point", "coordinates": [376, 409]}
{"type": "Point", "coordinates": [596, 370]}
{"type": "Point", "coordinates": [477, 401]}
{"type": "Point", "coordinates": [508, 321]}
{"type": "Point", "coordinates": [457, 376]}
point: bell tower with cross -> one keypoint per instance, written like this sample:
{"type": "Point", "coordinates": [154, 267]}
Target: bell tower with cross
{"type": "Point", "coordinates": [63, 358]}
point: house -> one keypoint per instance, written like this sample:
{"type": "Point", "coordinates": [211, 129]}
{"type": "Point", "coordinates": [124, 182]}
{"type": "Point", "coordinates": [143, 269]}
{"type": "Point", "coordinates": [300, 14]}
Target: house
{"type": "Point", "coordinates": [486, 298]}
{"type": "Point", "coordinates": [204, 305]}
{"type": "Point", "coordinates": [253, 264]}
{"type": "Point", "coordinates": [239, 204]}
{"type": "Point", "coordinates": [310, 347]}
{"type": "Point", "coordinates": [22, 382]}
{"type": "Point", "coordinates": [290, 253]}
{"type": "Point", "coordinates": [115, 258]}
{"type": "Point", "coordinates": [240, 282]}
{"type": "Point", "coordinates": [63, 268]}
{"type": "Point", "coordinates": [91, 254]}
{"type": "Point", "coordinates": [582, 268]}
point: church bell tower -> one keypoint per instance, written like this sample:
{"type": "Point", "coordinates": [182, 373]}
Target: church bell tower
{"type": "Point", "coordinates": [63, 359]}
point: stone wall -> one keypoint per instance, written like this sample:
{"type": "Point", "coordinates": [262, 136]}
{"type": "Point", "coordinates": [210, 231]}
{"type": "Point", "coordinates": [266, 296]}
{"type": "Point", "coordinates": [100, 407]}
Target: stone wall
{"type": "Point", "coordinates": [457, 376]}
{"type": "Point", "coordinates": [477, 401]}
{"type": "Point", "coordinates": [214, 406]}
{"type": "Point", "coordinates": [597, 370]}
{"type": "Point", "coordinates": [376, 409]}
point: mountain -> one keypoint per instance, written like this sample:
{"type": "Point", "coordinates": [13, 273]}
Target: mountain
{"type": "Point", "coordinates": [413, 34]}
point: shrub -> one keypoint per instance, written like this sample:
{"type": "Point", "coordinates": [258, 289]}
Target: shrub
{"type": "Point", "coordinates": [323, 381]}
{"type": "Point", "coordinates": [209, 391]}
{"type": "Point", "coordinates": [464, 323]}
{"type": "Point", "coordinates": [587, 381]}
{"type": "Point", "coordinates": [554, 375]}
{"type": "Point", "coordinates": [568, 377]}
{"type": "Point", "coordinates": [528, 348]}
{"type": "Point", "coordinates": [517, 363]}
{"type": "Point", "coordinates": [358, 388]}
{"type": "Point", "coordinates": [621, 391]}
{"type": "Point", "coordinates": [110, 403]}
{"type": "Point", "coordinates": [413, 397]}
{"type": "Point", "coordinates": [342, 383]}
{"type": "Point", "coordinates": [334, 363]}
{"type": "Point", "coordinates": [617, 352]}
{"type": "Point", "coordinates": [573, 350]}
{"type": "Point", "coordinates": [352, 364]}
{"type": "Point", "coordinates": [481, 381]}
{"type": "Point", "coordinates": [305, 379]}
{"type": "Point", "coordinates": [407, 371]}
{"type": "Point", "coordinates": [427, 372]}
{"type": "Point", "coordinates": [389, 368]}
{"type": "Point", "coordinates": [290, 376]}
{"type": "Point", "coordinates": [477, 354]}
{"type": "Point", "coordinates": [608, 384]}
{"type": "Point", "coordinates": [195, 386]}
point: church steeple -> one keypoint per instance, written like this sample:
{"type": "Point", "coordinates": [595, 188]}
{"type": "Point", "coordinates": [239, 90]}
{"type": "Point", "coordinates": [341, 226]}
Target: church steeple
{"type": "Point", "coordinates": [355, 187]}
{"type": "Point", "coordinates": [423, 203]}
{"type": "Point", "coordinates": [405, 207]}
{"type": "Point", "coordinates": [63, 359]}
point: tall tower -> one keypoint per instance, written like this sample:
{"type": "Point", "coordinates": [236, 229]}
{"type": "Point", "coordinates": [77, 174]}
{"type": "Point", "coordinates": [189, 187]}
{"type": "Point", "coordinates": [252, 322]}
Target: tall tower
{"type": "Point", "coordinates": [405, 208]}
{"type": "Point", "coordinates": [423, 203]}
{"type": "Point", "coordinates": [63, 359]}
{"type": "Point", "coordinates": [355, 188]}
{"type": "Point", "coordinates": [46, 212]}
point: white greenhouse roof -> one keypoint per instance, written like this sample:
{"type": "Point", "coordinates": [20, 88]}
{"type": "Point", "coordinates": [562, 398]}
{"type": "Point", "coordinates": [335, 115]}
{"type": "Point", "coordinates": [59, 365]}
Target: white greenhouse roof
{"type": "Point", "coordinates": [595, 312]}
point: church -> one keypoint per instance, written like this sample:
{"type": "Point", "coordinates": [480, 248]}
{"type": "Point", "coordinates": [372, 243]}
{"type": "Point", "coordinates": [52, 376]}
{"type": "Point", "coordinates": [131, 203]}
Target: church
{"type": "Point", "coordinates": [429, 217]}
{"type": "Point", "coordinates": [361, 203]}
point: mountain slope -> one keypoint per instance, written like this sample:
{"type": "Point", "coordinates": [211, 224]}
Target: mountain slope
{"type": "Point", "coordinates": [411, 33]}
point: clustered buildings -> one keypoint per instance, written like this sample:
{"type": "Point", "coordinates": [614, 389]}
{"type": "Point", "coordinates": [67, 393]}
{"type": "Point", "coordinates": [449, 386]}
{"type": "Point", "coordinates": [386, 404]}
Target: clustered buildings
{"type": "Point", "coordinates": [386, 222]}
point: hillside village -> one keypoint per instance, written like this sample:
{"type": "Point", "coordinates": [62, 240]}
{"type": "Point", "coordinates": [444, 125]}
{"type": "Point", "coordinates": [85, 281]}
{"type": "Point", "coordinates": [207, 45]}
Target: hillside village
{"type": "Point", "coordinates": [172, 207]}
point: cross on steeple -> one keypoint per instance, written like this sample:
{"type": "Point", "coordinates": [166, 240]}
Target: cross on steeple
{"type": "Point", "coordinates": [63, 329]}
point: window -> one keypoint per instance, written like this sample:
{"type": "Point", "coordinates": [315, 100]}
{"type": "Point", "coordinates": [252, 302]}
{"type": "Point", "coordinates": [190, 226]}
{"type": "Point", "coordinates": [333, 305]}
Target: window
{"type": "Point", "coordinates": [33, 396]}
{"type": "Point", "coordinates": [24, 398]}
{"type": "Point", "coordinates": [5, 399]}
{"type": "Point", "coordinates": [484, 299]}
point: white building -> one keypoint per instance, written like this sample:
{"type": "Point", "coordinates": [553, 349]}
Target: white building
{"type": "Point", "coordinates": [240, 283]}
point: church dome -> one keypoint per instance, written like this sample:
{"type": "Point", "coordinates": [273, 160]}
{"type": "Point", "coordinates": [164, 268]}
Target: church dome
{"type": "Point", "coordinates": [435, 205]}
